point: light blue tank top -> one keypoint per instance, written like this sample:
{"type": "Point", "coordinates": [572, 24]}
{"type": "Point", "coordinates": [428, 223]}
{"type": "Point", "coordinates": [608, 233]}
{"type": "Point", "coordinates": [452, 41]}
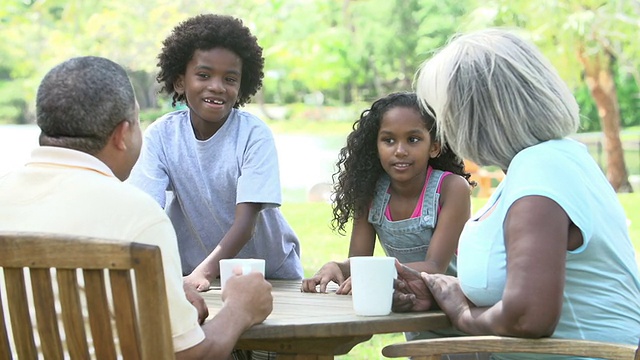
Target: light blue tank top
{"type": "Point", "coordinates": [602, 288]}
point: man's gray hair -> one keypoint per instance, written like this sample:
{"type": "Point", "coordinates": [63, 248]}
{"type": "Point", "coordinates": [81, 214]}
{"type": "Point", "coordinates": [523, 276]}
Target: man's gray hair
{"type": "Point", "coordinates": [81, 101]}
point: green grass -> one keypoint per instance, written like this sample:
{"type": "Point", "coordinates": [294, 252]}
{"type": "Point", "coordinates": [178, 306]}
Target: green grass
{"type": "Point", "coordinates": [320, 244]}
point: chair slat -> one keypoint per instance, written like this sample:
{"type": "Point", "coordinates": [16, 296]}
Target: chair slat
{"type": "Point", "coordinates": [21, 324]}
{"type": "Point", "coordinates": [99, 319]}
{"type": "Point", "coordinates": [142, 323]}
{"type": "Point", "coordinates": [5, 349]}
{"type": "Point", "coordinates": [126, 319]}
{"type": "Point", "coordinates": [74, 328]}
{"type": "Point", "coordinates": [66, 253]}
{"type": "Point", "coordinates": [501, 344]}
{"type": "Point", "coordinates": [46, 313]}
{"type": "Point", "coordinates": [154, 314]}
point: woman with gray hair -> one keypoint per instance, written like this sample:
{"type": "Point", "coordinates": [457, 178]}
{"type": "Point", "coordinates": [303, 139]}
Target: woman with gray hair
{"type": "Point", "coordinates": [550, 253]}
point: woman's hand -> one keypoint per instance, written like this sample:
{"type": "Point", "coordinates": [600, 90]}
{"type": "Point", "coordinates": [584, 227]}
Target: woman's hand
{"type": "Point", "coordinates": [411, 292]}
{"type": "Point", "coordinates": [449, 296]}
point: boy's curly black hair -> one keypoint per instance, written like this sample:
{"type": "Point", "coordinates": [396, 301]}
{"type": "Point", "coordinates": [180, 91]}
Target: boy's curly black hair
{"type": "Point", "coordinates": [205, 32]}
{"type": "Point", "coordinates": [358, 164]}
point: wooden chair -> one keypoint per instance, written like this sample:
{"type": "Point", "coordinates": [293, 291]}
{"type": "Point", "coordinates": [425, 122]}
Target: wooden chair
{"type": "Point", "coordinates": [143, 329]}
{"type": "Point", "coordinates": [433, 349]}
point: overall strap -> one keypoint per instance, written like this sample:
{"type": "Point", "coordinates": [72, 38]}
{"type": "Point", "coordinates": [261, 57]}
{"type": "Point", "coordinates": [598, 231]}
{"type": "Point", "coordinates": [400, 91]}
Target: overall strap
{"type": "Point", "coordinates": [380, 200]}
{"type": "Point", "coordinates": [431, 200]}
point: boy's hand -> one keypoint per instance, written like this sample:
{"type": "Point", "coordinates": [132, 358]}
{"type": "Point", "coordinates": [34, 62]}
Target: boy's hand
{"type": "Point", "coordinates": [197, 281]}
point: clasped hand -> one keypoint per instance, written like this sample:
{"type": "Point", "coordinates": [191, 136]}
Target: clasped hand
{"type": "Point", "coordinates": [415, 291]}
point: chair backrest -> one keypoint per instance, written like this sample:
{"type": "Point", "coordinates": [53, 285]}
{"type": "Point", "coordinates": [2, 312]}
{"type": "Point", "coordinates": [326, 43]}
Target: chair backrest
{"type": "Point", "coordinates": [115, 283]}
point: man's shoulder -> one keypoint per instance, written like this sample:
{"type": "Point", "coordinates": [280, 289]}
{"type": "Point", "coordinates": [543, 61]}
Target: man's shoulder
{"type": "Point", "coordinates": [127, 197]}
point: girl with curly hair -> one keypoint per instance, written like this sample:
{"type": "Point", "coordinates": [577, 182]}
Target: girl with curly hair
{"type": "Point", "coordinates": [219, 163]}
{"type": "Point", "coordinates": [397, 182]}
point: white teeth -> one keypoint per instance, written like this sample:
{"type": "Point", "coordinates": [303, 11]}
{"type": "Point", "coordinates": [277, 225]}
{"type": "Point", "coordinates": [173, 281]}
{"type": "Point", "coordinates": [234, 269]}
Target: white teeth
{"type": "Point", "coordinates": [217, 102]}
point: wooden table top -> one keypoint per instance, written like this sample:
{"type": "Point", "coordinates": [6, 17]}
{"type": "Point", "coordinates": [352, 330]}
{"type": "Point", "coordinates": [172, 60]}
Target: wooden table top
{"type": "Point", "coordinates": [320, 323]}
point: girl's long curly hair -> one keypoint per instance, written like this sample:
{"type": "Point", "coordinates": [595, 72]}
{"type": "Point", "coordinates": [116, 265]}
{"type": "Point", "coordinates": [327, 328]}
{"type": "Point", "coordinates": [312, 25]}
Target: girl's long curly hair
{"type": "Point", "coordinates": [359, 168]}
{"type": "Point", "coordinates": [205, 32]}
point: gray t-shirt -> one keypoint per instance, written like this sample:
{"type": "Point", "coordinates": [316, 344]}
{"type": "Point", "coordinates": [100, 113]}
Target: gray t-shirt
{"type": "Point", "coordinates": [199, 184]}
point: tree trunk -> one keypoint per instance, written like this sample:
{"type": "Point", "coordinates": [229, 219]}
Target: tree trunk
{"type": "Point", "coordinates": [599, 79]}
{"type": "Point", "coordinates": [263, 108]}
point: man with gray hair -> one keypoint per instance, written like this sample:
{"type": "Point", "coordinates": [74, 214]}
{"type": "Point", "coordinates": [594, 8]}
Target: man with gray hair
{"type": "Point", "coordinates": [90, 139]}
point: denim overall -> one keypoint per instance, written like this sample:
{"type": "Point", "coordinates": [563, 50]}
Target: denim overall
{"type": "Point", "coordinates": [408, 240]}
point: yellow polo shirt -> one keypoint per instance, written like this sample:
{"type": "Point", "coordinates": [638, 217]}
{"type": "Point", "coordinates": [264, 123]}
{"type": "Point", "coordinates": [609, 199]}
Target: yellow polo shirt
{"type": "Point", "coordinates": [70, 192]}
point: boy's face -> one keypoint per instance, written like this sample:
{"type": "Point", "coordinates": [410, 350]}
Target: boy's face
{"type": "Point", "coordinates": [211, 86]}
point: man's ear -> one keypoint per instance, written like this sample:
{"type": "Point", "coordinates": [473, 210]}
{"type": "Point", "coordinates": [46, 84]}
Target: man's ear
{"type": "Point", "coordinates": [119, 135]}
{"type": "Point", "coordinates": [436, 147]}
{"type": "Point", "coordinates": [178, 85]}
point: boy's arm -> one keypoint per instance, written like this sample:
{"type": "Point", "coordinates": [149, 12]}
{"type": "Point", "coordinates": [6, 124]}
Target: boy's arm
{"type": "Point", "coordinates": [150, 173]}
{"type": "Point", "coordinates": [233, 241]}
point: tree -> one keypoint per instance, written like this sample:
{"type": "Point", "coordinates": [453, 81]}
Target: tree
{"type": "Point", "coordinates": [585, 39]}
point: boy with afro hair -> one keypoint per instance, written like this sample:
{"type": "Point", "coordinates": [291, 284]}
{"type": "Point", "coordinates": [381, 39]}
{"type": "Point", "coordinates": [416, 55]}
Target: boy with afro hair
{"type": "Point", "coordinates": [214, 167]}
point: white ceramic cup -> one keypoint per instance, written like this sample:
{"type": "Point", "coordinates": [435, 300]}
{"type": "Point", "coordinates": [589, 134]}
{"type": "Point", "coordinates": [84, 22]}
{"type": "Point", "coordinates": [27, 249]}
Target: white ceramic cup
{"type": "Point", "coordinates": [245, 265]}
{"type": "Point", "coordinates": [372, 284]}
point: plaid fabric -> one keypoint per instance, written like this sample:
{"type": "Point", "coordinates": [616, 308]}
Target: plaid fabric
{"type": "Point", "coordinates": [252, 355]}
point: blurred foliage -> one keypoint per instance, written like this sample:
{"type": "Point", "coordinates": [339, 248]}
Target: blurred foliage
{"type": "Point", "coordinates": [319, 53]}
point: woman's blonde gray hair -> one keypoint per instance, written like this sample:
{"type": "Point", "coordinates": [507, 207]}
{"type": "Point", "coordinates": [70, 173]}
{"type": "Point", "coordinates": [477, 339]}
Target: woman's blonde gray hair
{"type": "Point", "coordinates": [494, 94]}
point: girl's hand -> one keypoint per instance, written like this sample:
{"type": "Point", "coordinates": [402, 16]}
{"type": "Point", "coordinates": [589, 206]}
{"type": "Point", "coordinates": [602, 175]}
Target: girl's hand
{"type": "Point", "coordinates": [329, 272]}
{"type": "Point", "coordinates": [448, 294]}
{"type": "Point", "coordinates": [411, 292]}
{"type": "Point", "coordinates": [345, 288]}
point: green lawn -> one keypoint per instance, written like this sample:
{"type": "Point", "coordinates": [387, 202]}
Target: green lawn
{"type": "Point", "coordinates": [320, 244]}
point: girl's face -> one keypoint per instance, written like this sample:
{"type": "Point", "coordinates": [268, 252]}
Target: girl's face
{"type": "Point", "coordinates": [211, 85]}
{"type": "Point", "coordinates": [404, 145]}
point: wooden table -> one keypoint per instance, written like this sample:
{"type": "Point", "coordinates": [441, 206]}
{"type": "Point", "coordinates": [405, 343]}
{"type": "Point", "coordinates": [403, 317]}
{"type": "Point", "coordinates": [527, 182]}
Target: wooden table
{"type": "Point", "coordinates": [318, 326]}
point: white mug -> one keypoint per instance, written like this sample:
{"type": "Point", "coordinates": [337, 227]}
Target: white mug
{"type": "Point", "coordinates": [246, 265]}
{"type": "Point", "coordinates": [372, 284]}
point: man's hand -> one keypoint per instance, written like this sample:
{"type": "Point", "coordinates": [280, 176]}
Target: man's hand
{"type": "Point", "coordinates": [198, 302]}
{"type": "Point", "coordinates": [249, 296]}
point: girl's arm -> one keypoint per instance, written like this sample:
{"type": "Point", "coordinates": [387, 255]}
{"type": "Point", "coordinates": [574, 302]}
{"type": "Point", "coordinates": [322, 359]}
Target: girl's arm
{"type": "Point", "coordinates": [363, 237]}
{"type": "Point", "coordinates": [362, 243]}
{"type": "Point", "coordinates": [455, 210]}
{"type": "Point", "coordinates": [537, 234]}
{"type": "Point", "coordinates": [234, 240]}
